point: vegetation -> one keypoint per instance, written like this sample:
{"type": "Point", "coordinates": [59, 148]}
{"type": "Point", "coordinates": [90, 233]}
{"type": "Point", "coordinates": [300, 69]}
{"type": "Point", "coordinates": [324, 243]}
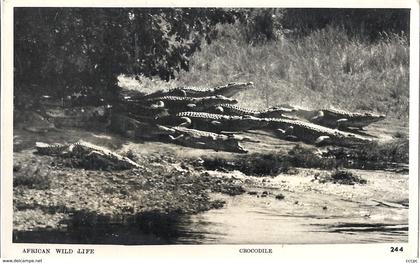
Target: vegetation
{"type": "Point", "coordinates": [392, 155]}
{"type": "Point", "coordinates": [396, 151]}
{"type": "Point", "coordinates": [341, 177]}
{"type": "Point", "coordinates": [323, 68]}
{"type": "Point", "coordinates": [85, 49]}
{"type": "Point", "coordinates": [319, 59]}
{"type": "Point", "coordinates": [268, 164]}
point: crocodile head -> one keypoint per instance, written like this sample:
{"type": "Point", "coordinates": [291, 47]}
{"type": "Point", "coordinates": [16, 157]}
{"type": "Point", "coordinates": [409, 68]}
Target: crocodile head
{"type": "Point", "coordinates": [363, 119]}
{"type": "Point", "coordinates": [232, 88]}
{"type": "Point", "coordinates": [372, 117]}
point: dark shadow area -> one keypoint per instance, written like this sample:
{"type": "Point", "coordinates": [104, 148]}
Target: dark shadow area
{"type": "Point", "coordinates": [150, 228]}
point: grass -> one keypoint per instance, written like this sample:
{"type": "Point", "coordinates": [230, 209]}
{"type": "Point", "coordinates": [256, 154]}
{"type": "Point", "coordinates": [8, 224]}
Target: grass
{"type": "Point", "coordinates": [325, 68]}
{"type": "Point", "coordinates": [270, 163]}
{"type": "Point", "coordinates": [372, 156]}
{"type": "Point", "coordinates": [396, 151]}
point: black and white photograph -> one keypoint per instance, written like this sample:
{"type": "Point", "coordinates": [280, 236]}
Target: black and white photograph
{"type": "Point", "coordinates": [211, 126]}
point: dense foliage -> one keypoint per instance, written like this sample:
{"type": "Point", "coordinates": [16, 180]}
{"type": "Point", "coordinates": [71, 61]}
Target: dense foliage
{"type": "Point", "coordinates": [78, 48]}
{"type": "Point", "coordinates": [85, 49]}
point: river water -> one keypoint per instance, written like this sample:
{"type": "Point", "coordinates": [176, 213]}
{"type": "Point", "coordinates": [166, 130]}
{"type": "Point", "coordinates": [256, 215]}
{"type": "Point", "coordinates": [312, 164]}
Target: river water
{"type": "Point", "coordinates": [296, 219]}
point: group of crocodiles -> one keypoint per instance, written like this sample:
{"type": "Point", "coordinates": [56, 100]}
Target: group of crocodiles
{"type": "Point", "coordinates": [208, 118]}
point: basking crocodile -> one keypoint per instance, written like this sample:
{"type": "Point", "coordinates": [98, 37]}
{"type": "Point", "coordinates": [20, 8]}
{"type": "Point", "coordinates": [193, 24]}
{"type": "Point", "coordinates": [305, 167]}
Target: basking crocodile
{"type": "Point", "coordinates": [344, 119]}
{"type": "Point", "coordinates": [205, 140]}
{"type": "Point", "coordinates": [213, 122]}
{"type": "Point", "coordinates": [289, 129]}
{"type": "Point", "coordinates": [229, 109]}
{"type": "Point", "coordinates": [177, 104]}
{"type": "Point", "coordinates": [228, 90]}
{"type": "Point", "coordinates": [87, 155]}
{"type": "Point", "coordinates": [335, 118]}
{"type": "Point", "coordinates": [188, 137]}
{"type": "Point", "coordinates": [314, 134]}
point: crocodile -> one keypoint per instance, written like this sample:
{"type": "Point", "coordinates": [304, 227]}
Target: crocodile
{"type": "Point", "coordinates": [229, 109]}
{"type": "Point", "coordinates": [213, 122]}
{"type": "Point", "coordinates": [314, 133]}
{"type": "Point", "coordinates": [177, 104]}
{"type": "Point", "coordinates": [188, 137]}
{"type": "Point", "coordinates": [291, 129]}
{"type": "Point", "coordinates": [87, 155]}
{"type": "Point", "coordinates": [335, 118]}
{"type": "Point", "coordinates": [228, 90]}
{"type": "Point", "coordinates": [205, 140]}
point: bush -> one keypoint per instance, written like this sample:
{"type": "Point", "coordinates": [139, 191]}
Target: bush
{"type": "Point", "coordinates": [269, 164]}
{"type": "Point", "coordinates": [305, 157]}
{"type": "Point", "coordinates": [342, 177]}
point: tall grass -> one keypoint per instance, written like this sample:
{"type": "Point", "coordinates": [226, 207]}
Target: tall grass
{"type": "Point", "coordinates": [325, 68]}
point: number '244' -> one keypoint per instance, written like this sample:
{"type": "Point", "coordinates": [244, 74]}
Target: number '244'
{"type": "Point", "coordinates": [397, 249]}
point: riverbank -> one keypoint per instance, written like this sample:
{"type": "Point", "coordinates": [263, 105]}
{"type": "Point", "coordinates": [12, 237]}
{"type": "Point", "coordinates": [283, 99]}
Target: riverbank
{"type": "Point", "coordinates": [55, 202]}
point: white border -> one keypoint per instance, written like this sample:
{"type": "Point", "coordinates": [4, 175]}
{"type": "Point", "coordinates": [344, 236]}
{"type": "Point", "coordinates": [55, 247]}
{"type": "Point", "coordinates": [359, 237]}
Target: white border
{"type": "Point", "coordinates": [346, 253]}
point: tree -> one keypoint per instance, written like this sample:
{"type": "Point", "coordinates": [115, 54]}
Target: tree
{"type": "Point", "coordinates": [85, 49]}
